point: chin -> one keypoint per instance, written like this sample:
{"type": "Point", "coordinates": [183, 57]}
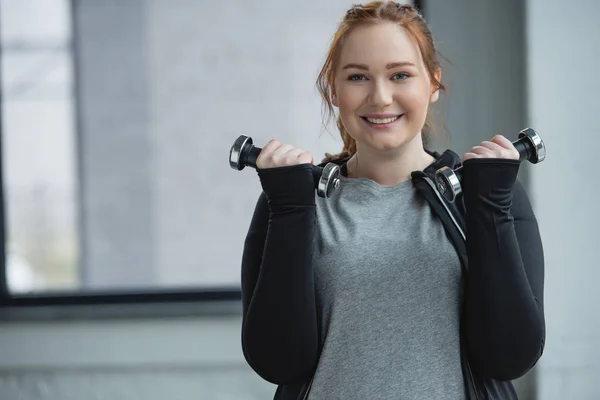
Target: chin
{"type": "Point", "coordinates": [387, 142]}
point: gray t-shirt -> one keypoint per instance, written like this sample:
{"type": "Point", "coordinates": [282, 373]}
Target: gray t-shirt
{"type": "Point", "coordinates": [388, 297]}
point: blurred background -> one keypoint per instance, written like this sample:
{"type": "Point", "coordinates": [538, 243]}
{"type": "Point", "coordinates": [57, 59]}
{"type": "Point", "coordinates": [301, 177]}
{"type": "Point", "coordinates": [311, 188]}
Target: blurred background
{"type": "Point", "coordinates": [116, 121]}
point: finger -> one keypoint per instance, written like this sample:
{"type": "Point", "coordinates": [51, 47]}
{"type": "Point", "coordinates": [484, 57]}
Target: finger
{"type": "Point", "coordinates": [263, 159]}
{"type": "Point", "coordinates": [495, 147]}
{"type": "Point", "coordinates": [279, 154]}
{"type": "Point", "coordinates": [270, 146]}
{"type": "Point", "coordinates": [502, 142]}
{"type": "Point", "coordinates": [497, 152]}
{"type": "Point", "coordinates": [290, 156]}
{"type": "Point", "coordinates": [482, 151]}
{"type": "Point", "coordinates": [299, 156]}
{"type": "Point", "coordinates": [469, 156]}
{"type": "Point", "coordinates": [508, 148]}
{"type": "Point", "coordinates": [306, 158]}
{"type": "Point", "coordinates": [283, 149]}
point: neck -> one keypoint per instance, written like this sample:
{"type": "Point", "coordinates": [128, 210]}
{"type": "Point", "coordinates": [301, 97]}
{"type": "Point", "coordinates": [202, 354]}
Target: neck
{"type": "Point", "coordinates": [389, 168]}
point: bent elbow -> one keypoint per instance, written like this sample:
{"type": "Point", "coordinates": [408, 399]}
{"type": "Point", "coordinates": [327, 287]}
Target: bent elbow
{"type": "Point", "coordinates": [282, 364]}
{"type": "Point", "coordinates": [506, 365]}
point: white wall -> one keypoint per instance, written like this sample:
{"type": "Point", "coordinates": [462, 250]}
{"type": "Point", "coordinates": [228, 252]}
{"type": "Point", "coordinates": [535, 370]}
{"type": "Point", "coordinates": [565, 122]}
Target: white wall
{"type": "Point", "coordinates": [563, 87]}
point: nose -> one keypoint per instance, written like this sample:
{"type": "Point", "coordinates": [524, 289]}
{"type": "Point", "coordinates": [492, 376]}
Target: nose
{"type": "Point", "coordinates": [381, 94]}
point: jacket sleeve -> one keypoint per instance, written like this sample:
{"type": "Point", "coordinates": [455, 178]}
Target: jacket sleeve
{"type": "Point", "coordinates": [504, 294]}
{"type": "Point", "coordinates": [279, 326]}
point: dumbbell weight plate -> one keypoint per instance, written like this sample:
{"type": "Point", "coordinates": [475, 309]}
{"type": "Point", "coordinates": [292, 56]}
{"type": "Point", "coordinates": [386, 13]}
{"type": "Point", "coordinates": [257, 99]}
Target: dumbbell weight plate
{"type": "Point", "coordinates": [448, 183]}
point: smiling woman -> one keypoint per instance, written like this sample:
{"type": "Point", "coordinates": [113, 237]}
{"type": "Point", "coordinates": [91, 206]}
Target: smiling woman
{"type": "Point", "coordinates": [384, 103]}
{"type": "Point", "coordinates": [376, 292]}
{"type": "Point", "coordinates": [420, 62]}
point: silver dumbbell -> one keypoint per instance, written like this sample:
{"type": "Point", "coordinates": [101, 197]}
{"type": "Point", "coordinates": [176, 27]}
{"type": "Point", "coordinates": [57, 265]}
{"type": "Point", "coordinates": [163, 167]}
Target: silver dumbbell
{"type": "Point", "coordinates": [244, 154]}
{"type": "Point", "coordinates": [530, 147]}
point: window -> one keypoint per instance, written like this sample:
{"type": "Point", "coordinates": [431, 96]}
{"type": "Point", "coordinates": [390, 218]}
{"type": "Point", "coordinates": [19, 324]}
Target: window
{"type": "Point", "coordinates": [40, 196]}
{"type": "Point", "coordinates": [117, 118]}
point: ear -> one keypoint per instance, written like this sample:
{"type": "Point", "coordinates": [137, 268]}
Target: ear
{"type": "Point", "coordinates": [334, 99]}
{"type": "Point", "coordinates": [435, 95]}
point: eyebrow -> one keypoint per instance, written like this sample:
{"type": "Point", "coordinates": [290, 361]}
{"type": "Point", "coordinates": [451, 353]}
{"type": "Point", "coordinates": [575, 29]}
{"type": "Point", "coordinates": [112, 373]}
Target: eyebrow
{"type": "Point", "coordinates": [388, 66]}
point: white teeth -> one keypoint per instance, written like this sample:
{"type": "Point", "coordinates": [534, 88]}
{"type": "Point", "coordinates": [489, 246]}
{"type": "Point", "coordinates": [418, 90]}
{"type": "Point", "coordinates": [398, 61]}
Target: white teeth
{"type": "Point", "coordinates": [382, 121]}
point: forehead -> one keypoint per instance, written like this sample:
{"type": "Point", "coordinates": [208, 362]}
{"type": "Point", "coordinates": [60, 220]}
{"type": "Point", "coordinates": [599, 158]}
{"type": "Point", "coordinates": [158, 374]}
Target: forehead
{"type": "Point", "coordinates": [379, 44]}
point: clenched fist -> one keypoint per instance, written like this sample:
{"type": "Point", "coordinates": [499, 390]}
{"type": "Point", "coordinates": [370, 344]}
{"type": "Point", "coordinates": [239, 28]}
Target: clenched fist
{"type": "Point", "coordinates": [498, 147]}
{"type": "Point", "coordinates": [276, 154]}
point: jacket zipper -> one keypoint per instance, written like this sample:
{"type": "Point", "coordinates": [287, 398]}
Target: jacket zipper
{"type": "Point", "coordinates": [439, 196]}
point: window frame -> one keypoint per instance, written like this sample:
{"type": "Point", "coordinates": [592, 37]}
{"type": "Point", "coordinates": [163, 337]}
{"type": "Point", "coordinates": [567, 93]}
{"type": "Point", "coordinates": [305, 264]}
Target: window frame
{"type": "Point", "coordinates": [124, 303]}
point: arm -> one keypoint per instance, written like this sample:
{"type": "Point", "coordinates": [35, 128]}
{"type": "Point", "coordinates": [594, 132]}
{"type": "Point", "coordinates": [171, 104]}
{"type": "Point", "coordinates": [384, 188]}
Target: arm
{"type": "Point", "coordinates": [279, 328]}
{"type": "Point", "coordinates": [504, 300]}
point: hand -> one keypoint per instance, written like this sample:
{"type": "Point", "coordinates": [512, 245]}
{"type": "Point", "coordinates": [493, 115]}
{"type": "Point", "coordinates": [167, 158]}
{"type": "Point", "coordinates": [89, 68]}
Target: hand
{"type": "Point", "coordinates": [498, 147]}
{"type": "Point", "coordinates": [275, 154]}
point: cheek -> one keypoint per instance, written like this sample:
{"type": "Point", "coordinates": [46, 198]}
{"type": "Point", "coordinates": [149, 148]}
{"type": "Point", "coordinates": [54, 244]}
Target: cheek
{"type": "Point", "coordinates": [417, 99]}
{"type": "Point", "coordinates": [349, 99]}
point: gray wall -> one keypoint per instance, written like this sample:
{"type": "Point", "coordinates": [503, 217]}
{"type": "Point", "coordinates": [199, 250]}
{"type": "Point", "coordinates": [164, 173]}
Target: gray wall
{"type": "Point", "coordinates": [117, 196]}
{"type": "Point", "coordinates": [483, 45]}
{"type": "Point", "coordinates": [563, 52]}
{"type": "Point", "coordinates": [165, 88]}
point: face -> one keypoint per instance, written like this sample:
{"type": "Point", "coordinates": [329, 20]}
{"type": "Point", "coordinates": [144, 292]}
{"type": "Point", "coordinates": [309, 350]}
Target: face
{"type": "Point", "coordinates": [382, 88]}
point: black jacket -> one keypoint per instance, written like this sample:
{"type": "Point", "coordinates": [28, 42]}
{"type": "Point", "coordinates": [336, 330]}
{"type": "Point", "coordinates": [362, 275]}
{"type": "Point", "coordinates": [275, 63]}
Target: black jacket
{"type": "Point", "coordinates": [497, 240]}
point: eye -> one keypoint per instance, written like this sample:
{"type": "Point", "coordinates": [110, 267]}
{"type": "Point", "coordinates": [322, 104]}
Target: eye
{"type": "Point", "coordinates": [400, 76]}
{"type": "Point", "coordinates": [356, 77]}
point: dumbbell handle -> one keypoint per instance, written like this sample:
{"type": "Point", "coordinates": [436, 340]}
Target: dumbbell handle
{"type": "Point", "coordinates": [525, 149]}
{"type": "Point", "coordinates": [529, 145]}
{"type": "Point", "coordinates": [243, 153]}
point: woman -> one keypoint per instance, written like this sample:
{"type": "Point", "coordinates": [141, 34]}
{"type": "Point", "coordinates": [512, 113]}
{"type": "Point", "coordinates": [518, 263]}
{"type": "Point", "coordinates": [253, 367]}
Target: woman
{"type": "Point", "coordinates": [375, 293]}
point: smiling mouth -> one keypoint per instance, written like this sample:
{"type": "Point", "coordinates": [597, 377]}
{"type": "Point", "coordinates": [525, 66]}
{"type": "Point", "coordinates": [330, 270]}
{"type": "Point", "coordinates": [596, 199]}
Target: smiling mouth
{"type": "Point", "coordinates": [382, 121]}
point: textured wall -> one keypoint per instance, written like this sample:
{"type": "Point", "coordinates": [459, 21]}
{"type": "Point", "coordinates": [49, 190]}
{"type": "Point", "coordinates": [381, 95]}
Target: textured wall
{"type": "Point", "coordinates": [134, 384]}
{"type": "Point", "coordinates": [564, 47]}
{"type": "Point", "coordinates": [173, 358]}
{"type": "Point", "coordinates": [165, 87]}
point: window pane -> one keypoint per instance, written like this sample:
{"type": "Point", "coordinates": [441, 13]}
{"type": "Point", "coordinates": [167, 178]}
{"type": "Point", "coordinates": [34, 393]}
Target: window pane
{"type": "Point", "coordinates": [38, 146]}
{"type": "Point", "coordinates": [115, 144]}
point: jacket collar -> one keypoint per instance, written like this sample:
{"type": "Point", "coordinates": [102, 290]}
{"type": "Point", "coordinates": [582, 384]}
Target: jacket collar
{"type": "Point", "coordinates": [446, 159]}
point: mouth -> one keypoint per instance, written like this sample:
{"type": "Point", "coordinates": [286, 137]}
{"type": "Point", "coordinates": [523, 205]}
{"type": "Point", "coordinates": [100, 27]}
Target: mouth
{"type": "Point", "coordinates": [381, 121]}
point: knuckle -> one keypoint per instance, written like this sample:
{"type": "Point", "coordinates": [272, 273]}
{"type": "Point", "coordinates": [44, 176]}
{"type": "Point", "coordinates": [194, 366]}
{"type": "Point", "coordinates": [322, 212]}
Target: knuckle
{"type": "Point", "coordinates": [261, 162]}
{"type": "Point", "coordinates": [306, 157]}
{"type": "Point", "coordinates": [274, 158]}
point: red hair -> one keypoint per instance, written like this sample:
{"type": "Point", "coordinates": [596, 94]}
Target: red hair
{"type": "Point", "coordinates": [404, 15]}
